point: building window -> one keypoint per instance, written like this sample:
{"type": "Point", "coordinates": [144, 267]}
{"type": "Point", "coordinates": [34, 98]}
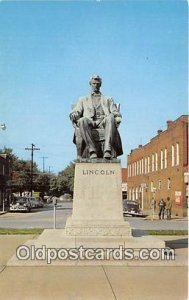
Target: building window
{"type": "Point", "coordinates": [159, 184]}
{"type": "Point", "coordinates": [145, 166]}
{"type": "Point", "coordinates": [148, 164]}
{"type": "Point", "coordinates": [136, 193]}
{"type": "Point", "coordinates": [177, 154]}
{"type": "Point", "coordinates": [133, 194]}
{"type": "Point", "coordinates": [152, 186]}
{"type": "Point", "coordinates": [142, 162]}
{"type": "Point", "coordinates": [153, 163]}
{"type": "Point", "coordinates": [137, 167]}
{"type": "Point", "coordinates": [132, 169]}
{"type": "Point", "coordinates": [161, 158]}
{"type": "Point", "coordinates": [3, 169]}
{"type": "Point", "coordinates": [165, 158]}
{"type": "Point", "coordinates": [156, 157]}
{"type": "Point", "coordinates": [173, 155]}
{"type": "Point", "coordinates": [168, 183]}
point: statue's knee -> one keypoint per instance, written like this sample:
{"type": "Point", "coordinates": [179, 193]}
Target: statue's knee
{"type": "Point", "coordinates": [82, 121]}
{"type": "Point", "coordinates": [110, 119]}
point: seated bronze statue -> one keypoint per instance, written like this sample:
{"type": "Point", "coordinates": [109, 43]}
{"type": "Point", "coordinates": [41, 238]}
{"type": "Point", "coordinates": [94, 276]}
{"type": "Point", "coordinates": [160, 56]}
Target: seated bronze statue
{"type": "Point", "coordinates": [96, 118]}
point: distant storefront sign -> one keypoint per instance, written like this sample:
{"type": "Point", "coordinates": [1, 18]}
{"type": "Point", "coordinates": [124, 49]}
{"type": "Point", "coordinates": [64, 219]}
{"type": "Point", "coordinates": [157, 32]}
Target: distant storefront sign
{"type": "Point", "coordinates": [124, 187]}
{"type": "Point", "coordinates": [178, 197]}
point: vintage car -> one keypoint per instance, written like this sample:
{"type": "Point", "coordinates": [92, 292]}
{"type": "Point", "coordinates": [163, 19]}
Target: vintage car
{"type": "Point", "coordinates": [21, 204]}
{"type": "Point", "coordinates": [131, 208]}
{"type": "Point", "coordinates": [35, 202]}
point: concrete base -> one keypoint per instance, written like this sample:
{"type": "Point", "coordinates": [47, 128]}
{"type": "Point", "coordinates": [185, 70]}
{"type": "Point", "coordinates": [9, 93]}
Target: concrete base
{"type": "Point", "coordinates": [92, 228]}
{"type": "Point", "coordinates": [57, 239]}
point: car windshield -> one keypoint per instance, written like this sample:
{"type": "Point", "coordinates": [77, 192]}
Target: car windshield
{"type": "Point", "coordinates": [21, 201]}
{"type": "Point", "coordinates": [131, 204]}
{"type": "Point", "coordinates": [32, 199]}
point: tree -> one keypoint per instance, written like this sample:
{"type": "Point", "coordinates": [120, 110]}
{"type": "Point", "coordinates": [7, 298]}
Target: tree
{"type": "Point", "coordinates": [21, 171]}
{"type": "Point", "coordinates": [42, 183]}
{"type": "Point", "coordinates": [65, 180]}
{"type": "Point", "coordinates": [53, 186]}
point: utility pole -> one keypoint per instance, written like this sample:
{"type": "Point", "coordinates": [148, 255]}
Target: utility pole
{"type": "Point", "coordinates": [44, 157]}
{"type": "Point", "coordinates": [32, 149]}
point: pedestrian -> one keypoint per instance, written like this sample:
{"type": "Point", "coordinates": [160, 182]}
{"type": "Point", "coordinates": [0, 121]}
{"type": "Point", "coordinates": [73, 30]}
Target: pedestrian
{"type": "Point", "coordinates": [162, 205]}
{"type": "Point", "coordinates": [168, 208]}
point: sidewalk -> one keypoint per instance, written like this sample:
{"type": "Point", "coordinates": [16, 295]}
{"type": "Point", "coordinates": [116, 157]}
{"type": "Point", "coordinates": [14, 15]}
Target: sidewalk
{"type": "Point", "coordinates": [91, 282]}
{"type": "Point", "coordinates": [149, 215]}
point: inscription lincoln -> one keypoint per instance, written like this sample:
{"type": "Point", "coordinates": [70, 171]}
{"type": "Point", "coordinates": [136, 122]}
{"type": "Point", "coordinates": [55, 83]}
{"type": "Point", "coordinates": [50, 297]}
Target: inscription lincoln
{"type": "Point", "coordinates": [98, 172]}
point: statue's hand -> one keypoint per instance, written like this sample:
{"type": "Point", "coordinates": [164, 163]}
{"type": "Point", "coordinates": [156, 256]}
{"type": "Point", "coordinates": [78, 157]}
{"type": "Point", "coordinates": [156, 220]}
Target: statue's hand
{"type": "Point", "coordinates": [74, 116]}
{"type": "Point", "coordinates": [118, 121]}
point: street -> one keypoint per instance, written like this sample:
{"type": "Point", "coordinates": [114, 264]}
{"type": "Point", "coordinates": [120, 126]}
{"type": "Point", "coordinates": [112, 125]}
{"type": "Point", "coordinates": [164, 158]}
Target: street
{"type": "Point", "coordinates": [44, 218]}
{"type": "Point", "coordinates": [37, 218]}
{"type": "Point", "coordinates": [85, 281]}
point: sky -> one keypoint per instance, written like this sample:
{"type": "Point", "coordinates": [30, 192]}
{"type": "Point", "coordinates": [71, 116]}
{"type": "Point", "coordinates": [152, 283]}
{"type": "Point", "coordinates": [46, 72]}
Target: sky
{"type": "Point", "coordinates": [49, 50]}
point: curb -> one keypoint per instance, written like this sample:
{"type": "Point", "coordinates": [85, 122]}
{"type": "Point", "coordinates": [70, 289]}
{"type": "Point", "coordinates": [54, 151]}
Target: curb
{"type": "Point", "coordinates": [3, 212]}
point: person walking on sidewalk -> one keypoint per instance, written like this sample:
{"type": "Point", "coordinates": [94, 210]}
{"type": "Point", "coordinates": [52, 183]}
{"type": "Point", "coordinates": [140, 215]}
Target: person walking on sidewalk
{"type": "Point", "coordinates": [162, 205]}
{"type": "Point", "coordinates": [168, 208]}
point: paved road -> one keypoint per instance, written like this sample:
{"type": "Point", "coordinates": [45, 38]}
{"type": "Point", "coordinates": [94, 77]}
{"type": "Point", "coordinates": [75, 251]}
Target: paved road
{"type": "Point", "coordinates": [43, 218]}
{"type": "Point", "coordinates": [37, 218]}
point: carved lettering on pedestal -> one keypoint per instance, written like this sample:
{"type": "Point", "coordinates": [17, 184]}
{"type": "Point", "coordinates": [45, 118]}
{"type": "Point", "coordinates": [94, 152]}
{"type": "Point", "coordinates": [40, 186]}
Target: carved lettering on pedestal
{"type": "Point", "coordinates": [98, 172]}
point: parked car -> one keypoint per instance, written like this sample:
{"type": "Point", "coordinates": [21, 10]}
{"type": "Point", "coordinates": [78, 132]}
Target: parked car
{"type": "Point", "coordinates": [35, 202]}
{"type": "Point", "coordinates": [21, 204]}
{"type": "Point", "coordinates": [131, 208]}
{"type": "Point", "coordinates": [65, 197]}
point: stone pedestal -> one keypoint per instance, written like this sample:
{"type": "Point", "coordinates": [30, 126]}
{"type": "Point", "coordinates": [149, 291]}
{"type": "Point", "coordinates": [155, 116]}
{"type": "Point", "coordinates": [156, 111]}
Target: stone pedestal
{"type": "Point", "coordinates": [97, 203]}
{"type": "Point", "coordinates": [96, 223]}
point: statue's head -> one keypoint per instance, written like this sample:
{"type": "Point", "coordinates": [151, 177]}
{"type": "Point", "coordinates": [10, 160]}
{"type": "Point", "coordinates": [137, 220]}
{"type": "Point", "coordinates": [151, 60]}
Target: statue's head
{"type": "Point", "coordinates": [95, 83]}
{"type": "Point", "coordinates": [95, 77]}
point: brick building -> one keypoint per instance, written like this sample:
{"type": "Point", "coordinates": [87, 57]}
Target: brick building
{"type": "Point", "coordinates": [160, 168]}
{"type": "Point", "coordinates": [5, 176]}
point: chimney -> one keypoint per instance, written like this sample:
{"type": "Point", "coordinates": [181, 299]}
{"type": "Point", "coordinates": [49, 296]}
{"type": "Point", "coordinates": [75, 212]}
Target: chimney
{"type": "Point", "coordinates": [140, 146]}
{"type": "Point", "coordinates": [159, 131]}
{"type": "Point", "coordinates": [169, 123]}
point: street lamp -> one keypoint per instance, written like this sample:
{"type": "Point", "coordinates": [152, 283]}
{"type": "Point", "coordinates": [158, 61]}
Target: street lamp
{"type": "Point", "coordinates": [3, 126]}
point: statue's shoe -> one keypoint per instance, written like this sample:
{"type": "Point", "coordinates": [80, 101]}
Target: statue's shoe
{"type": "Point", "coordinates": [93, 155]}
{"type": "Point", "coordinates": [107, 155]}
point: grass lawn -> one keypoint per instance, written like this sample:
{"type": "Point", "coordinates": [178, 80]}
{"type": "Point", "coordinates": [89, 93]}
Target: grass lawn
{"type": "Point", "coordinates": [167, 232]}
{"type": "Point", "coordinates": [21, 231]}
